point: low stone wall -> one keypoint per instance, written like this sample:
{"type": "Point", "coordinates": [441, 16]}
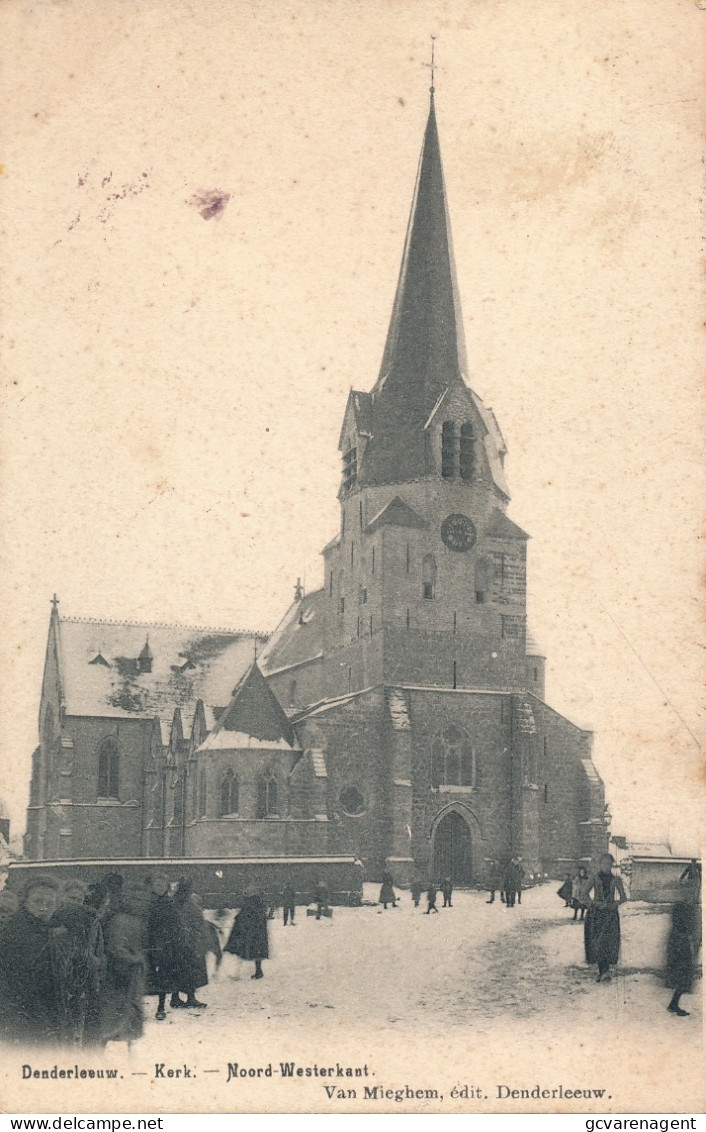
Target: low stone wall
{"type": "Point", "coordinates": [221, 883]}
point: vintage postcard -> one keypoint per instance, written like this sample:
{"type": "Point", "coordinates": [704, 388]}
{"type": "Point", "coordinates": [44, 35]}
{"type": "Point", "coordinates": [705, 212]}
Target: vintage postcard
{"type": "Point", "coordinates": [352, 489]}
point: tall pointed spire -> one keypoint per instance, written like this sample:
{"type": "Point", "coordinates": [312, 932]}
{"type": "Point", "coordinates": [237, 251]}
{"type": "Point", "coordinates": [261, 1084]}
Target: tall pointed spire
{"type": "Point", "coordinates": [425, 349]}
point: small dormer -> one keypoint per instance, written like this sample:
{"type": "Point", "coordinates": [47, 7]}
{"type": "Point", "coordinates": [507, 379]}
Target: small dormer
{"type": "Point", "coordinates": [144, 660]}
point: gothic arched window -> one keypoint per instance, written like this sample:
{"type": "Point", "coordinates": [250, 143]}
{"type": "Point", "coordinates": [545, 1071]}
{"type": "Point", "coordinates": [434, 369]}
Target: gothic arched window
{"type": "Point", "coordinates": [229, 793]}
{"type": "Point", "coordinates": [453, 760]}
{"type": "Point", "coordinates": [108, 768]}
{"type": "Point", "coordinates": [267, 795]}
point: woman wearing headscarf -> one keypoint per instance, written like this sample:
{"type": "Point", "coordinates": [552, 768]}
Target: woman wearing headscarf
{"type": "Point", "coordinates": [602, 923]}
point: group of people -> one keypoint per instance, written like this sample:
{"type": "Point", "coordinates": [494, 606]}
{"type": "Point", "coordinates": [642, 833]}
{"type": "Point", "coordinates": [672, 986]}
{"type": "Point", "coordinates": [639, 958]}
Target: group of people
{"type": "Point", "coordinates": [77, 961]}
{"type": "Point", "coordinates": [431, 889]}
{"type": "Point", "coordinates": [507, 879]}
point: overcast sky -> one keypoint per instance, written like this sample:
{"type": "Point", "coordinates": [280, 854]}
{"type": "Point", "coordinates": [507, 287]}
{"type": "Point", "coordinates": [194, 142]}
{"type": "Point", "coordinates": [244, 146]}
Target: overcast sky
{"type": "Point", "coordinates": [176, 383]}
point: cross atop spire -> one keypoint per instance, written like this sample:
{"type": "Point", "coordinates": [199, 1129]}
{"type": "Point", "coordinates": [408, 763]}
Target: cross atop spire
{"type": "Point", "coordinates": [431, 65]}
{"type": "Point", "coordinates": [55, 604]}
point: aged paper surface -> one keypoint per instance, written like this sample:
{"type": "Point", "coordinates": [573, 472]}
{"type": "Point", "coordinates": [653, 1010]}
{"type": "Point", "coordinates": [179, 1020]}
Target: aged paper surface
{"type": "Point", "coordinates": [203, 213]}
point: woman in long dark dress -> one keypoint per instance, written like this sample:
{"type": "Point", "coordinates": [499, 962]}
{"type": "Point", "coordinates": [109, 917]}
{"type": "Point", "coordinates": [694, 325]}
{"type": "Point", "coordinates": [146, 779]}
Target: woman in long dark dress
{"type": "Point", "coordinates": [387, 891]}
{"type": "Point", "coordinates": [602, 923]}
{"type": "Point", "coordinates": [165, 944]}
{"type": "Point", "coordinates": [248, 937]}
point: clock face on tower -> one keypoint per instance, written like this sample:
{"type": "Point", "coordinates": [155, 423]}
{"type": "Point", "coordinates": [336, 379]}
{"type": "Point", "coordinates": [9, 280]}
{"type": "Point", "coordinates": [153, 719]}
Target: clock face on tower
{"type": "Point", "coordinates": [458, 532]}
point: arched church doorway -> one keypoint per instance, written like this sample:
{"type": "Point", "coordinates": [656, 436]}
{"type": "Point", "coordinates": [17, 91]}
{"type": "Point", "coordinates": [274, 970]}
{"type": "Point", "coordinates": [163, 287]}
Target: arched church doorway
{"type": "Point", "coordinates": [453, 854]}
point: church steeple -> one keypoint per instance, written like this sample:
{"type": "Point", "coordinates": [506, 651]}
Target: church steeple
{"type": "Point", "coordinates": [425, 349]}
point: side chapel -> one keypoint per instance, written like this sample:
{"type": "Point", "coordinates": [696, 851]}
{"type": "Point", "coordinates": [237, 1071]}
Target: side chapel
{"type": "Point", "coordinates": [397, 713]}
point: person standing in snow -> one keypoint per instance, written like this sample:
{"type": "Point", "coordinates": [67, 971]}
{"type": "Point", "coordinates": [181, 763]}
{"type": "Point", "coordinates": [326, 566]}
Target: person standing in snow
{"type": "Point", "coordinates": [602, 923]}
{"type": "Point", "coordinates": [248, 937]}
{"type": "Point", "coordinates": [387, 892]}
{"type": "Point", "coordinates": [289, 904]}
{"type": "Point", "coordinates": [495, 882]}
{"type": "Point", "coordinates": [431, 898]}
{"type": "Point", "coordinates": [680, 957]}
{"type": "Point", "coordinates": [446, 890]}
{"type": "Point", "coordinates": [579, 892]}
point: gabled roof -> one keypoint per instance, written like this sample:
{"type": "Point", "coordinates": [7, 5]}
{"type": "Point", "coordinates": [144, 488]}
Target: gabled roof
{"type": "Point", "coordinates": [253, 714]}
{"type": "Point", "coordinates": [502, 527]}
{"type": "Point", "coordinates": [396, 513]}
{"type": "Point", "coordinates": [299, 636]}
{"type": "Point", "coordinates": [361, 405]}
{"type": "Point", "coordinates": [116, 688]}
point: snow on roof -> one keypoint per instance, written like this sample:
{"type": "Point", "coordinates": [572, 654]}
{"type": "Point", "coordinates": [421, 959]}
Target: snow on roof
{"type": "Point", "coordinates": [239, 741]}
{"type": "Point", "coordinates": [217, 657]}
{"type": "Point", "coordinates": [299, 636]}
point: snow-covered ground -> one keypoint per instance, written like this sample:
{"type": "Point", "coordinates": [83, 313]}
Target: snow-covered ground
{"type": "Point", "coordinates": [480, 994]}
{"type": "Point", "coordinates": [483, 961]}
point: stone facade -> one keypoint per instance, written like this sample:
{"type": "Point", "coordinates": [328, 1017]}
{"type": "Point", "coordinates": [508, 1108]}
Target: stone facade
{"type": "Point", "coordinates": [397, 714]}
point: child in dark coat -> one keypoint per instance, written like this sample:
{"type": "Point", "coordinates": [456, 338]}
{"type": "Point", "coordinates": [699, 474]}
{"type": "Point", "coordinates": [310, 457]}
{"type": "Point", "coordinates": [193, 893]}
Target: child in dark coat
{"type": "Point", "coordinates": [431, 899]}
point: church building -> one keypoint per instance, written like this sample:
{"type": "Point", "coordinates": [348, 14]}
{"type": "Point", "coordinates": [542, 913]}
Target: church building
{"type": "Point", "coordinates": [398, 713]}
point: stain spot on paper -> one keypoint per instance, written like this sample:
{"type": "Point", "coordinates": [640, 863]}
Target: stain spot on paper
{"type": "Point", "coordinates": [210, 202]}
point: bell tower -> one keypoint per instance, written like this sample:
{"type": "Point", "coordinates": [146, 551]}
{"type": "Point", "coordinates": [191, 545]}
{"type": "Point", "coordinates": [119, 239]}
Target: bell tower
{"type": "Point", "coordinates": [426, 578]}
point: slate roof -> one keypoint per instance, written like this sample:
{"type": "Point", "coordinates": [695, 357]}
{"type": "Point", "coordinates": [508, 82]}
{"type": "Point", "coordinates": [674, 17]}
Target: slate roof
{"type": "Point", "coordinates": [298, 637]}
{"type": "Point", "coordinates": [362, 404]}
{"type": "Point", "coordinates": [253, 713]}
{"type": "Point", "coordinates": [425, 352]}
{"type": "Point", "coordinates": [188, 664]}
{"type": "Point", "coordinates": [502, 527]}
{"type": "Point", "coordinates": [396, 513]}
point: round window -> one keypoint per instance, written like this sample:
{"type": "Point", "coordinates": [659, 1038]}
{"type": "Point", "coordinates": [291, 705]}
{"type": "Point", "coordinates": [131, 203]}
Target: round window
{"type": "Point", "coordinates": [352, 801]}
